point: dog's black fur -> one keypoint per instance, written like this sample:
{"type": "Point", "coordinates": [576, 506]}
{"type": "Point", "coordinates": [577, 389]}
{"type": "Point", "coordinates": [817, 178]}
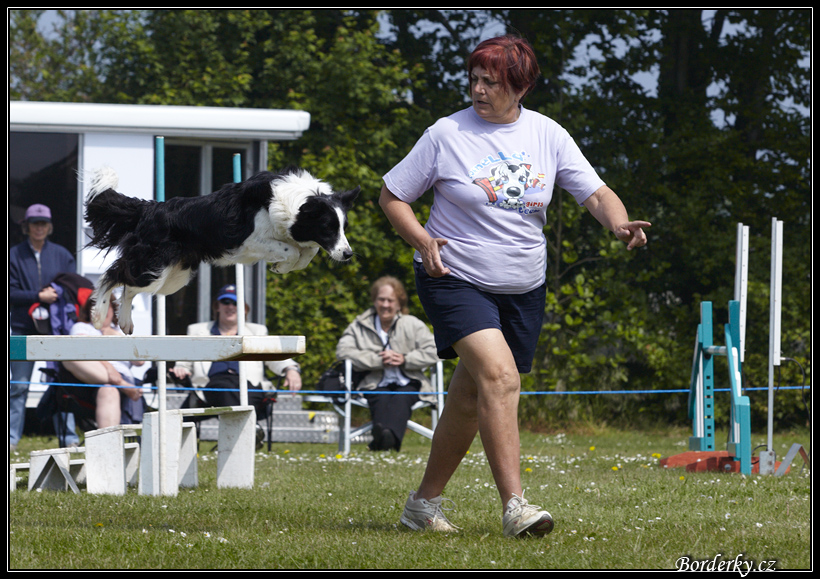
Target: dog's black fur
{"type": "Point", "coordinates": [283, 218]}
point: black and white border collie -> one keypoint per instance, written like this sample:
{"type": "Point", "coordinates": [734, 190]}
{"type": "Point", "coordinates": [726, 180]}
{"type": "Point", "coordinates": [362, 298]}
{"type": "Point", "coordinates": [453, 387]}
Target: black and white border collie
{"type": "Point", "coordinates": [282, 218]}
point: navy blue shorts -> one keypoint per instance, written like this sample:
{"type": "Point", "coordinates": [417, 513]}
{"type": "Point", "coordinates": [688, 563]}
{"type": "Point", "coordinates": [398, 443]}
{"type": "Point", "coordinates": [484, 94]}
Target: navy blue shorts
{"type": "Point", "coordinates": [457, 308]}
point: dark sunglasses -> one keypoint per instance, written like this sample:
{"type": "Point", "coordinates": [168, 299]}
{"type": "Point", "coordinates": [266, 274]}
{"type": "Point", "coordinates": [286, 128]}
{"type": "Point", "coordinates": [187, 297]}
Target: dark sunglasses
{"type": "Point", "coordinates": [227, 302]}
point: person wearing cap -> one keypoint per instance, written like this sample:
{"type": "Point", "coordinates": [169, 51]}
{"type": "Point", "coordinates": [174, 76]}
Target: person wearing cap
{"type": "Point", "coordinates": [221, 379]}
{"type": "Point", "coordinates": [32, 265]}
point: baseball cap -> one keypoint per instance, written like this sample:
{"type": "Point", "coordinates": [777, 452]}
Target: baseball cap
{"type": "Point", "coordinates": [228, 291]}
{"type": "Point", "coordinates": [38, 212]}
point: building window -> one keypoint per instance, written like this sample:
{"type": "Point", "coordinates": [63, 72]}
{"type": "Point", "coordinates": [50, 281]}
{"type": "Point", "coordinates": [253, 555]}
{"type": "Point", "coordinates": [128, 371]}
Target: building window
{"type": "Point", "coordinates": [43, 169]}
{"type": "Point", "coordinates": [184, 177]}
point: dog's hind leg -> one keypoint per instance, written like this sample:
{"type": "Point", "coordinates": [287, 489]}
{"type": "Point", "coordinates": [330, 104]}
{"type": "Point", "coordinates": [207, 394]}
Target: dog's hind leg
{"type": "Point", "coordinates": [102, 301]}
{"type": "Point", "coordinates": [171, 280]}
{"type": "Point", "coordinates": [125, 322]}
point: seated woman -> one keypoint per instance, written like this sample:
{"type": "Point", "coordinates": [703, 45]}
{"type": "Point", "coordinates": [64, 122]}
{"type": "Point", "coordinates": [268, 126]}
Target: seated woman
{"type": "Point", "coordinates": [395, 348]}
{"type": "Point", "coordinates": [116, 383]}
{"type": "Point", "coordinates": [221, 379]}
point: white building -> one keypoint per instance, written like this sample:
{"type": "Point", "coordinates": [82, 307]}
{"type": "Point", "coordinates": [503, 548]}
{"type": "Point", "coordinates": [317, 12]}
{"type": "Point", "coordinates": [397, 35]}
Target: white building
{"type": "Point", "coordinates": [51, 144]}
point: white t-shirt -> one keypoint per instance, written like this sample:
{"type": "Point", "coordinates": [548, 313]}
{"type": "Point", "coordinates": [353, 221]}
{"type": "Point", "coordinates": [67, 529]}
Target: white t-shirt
{"type": "Point", "coordinates": [492, 185]}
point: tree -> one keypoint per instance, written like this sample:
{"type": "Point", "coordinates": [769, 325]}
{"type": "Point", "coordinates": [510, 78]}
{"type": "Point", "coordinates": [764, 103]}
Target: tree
{"type": "Point", "coordinates": [692, 177]}
{"type": "Point", "coordinates": [719, 135]}
{"type": "Point", "coordinates": [698, 152]}
{"type": "Point", "coordinates": [59, 64]}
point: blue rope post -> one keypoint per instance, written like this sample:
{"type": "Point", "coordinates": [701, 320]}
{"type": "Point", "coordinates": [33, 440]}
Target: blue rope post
{"type": "Point", "coordinates": [160, 163]}
{"type": "Point", "coordinates": [240, 296]}
{"type": "Point", "coordinates": [237, 168]}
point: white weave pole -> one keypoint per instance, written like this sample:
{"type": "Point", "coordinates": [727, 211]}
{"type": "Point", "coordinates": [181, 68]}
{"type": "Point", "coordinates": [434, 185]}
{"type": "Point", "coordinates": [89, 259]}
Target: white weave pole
{"type": "Point", "coordinates": [240, 331]}
{"type": "Point", "coordinates": [162, 364]}
{"type": "Point", "coordinates": [742, 282]}
{"type": "Point", "coordinates": [767, 457]}
{"type": "Point", "coordinates": [240, 299]}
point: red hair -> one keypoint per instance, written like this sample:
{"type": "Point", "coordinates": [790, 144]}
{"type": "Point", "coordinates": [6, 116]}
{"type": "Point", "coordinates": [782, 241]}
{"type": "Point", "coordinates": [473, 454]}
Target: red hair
{"type": "Point", "coordinates": [510, 59]}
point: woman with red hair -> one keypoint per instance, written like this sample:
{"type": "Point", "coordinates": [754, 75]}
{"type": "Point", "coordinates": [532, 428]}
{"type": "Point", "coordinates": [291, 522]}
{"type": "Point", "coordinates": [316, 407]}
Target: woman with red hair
{"type": "Point", "coordinates": [480, 264]}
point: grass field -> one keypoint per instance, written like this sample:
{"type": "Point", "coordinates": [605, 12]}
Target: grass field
{"type": "Point", "coordinates": [614, 508]}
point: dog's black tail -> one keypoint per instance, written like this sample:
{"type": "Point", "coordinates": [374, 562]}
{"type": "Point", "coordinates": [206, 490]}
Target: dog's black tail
{"type": "Point", "coordinates": [111, 215]}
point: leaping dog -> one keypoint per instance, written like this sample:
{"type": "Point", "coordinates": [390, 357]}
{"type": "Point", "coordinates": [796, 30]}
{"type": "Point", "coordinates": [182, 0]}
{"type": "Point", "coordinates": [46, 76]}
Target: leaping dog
{"type": "Point", "coordinates": [282, 218]}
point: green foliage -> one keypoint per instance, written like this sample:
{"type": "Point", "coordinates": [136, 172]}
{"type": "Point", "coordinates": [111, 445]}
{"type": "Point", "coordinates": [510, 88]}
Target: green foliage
{"type": "Point", "coordinates": [720, 134]}
{"type": "Point", "coordinates": [692, 164]}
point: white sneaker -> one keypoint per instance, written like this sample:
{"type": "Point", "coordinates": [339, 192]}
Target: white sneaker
{"type": "Point", "coordinates": [521, 518]}
{"type": "Point", "coordinates": [421, 515]}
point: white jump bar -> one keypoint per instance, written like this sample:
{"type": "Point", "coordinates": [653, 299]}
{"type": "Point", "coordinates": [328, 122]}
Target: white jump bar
{"type": "Point", "coordinates": [155, 348]}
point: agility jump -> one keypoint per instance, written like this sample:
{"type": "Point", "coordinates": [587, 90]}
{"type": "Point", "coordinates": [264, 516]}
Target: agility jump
{"type": "Point", "coordinates": [737, 457]}
{"type": "Point", "coordinates": [162, 450]}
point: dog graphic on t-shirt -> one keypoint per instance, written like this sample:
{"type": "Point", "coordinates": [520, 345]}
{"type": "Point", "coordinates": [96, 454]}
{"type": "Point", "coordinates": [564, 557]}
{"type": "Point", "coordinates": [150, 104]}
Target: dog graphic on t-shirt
{"type": "Point", "coordinates": [510, 181]}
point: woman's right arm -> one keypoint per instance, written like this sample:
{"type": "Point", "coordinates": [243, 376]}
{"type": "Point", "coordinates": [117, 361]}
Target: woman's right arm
{"type": "Point", "coordinates": [404, 221]}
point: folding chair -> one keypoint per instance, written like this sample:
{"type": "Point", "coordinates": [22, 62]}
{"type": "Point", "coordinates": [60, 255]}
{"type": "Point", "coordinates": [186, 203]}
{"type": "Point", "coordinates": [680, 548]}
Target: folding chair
{"type": "Point", "coordinates": [343, 404]}
{"type": "Point", "coordinates": [57, 400]}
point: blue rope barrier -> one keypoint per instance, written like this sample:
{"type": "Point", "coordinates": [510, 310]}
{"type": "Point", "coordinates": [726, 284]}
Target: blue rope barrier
{"type": "Point", "coordinates": [378, 391]}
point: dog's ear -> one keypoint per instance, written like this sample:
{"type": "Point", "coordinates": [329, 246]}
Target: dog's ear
{"type": "Point", "coordinates": [348, 197]}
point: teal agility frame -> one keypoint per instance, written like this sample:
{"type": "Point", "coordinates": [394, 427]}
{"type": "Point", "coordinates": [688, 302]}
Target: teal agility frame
{"type": "Point", "coordinates": [702, 389]}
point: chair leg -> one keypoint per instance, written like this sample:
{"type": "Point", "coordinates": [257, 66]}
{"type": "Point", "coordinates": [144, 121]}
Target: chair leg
{"type": "Point", "coordinates": [62, 428]}
{"type": "Point", "coordinates": [269, 419]}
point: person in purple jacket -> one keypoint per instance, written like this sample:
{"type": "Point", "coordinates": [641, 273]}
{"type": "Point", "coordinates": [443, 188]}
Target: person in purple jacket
{"type": "Point", "coordinates": [32, 265]}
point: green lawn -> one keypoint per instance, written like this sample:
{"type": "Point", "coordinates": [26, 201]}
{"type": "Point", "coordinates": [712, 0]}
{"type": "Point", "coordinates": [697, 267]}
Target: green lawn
{"type": "Point", "coordinates": [614, 508]}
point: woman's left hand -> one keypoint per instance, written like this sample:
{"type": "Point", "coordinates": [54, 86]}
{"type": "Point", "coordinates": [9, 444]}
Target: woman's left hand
{"type": "Point", "coordinates": [609, 210]}
{"type": "Point", "coordinates": [391, 358]}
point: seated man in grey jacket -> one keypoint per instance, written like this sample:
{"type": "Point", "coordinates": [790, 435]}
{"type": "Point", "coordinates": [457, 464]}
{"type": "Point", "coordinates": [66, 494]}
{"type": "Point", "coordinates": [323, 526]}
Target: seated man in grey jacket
{"type": "Point", "coordinates": [221, 379]}
{"type": "Point", "coordinates": [394, 347]}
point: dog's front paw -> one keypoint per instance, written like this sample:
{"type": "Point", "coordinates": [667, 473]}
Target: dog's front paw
{"type": "Point", "coordinates": [127, 326]}
{"type": "Point", "coordinates": [284, 266]}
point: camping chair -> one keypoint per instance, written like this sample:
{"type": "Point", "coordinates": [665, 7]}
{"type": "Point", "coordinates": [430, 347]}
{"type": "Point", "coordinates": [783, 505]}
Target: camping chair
{"type": "Point", "coordinates": [344, 401]}
{"type": "Point", "coordinates": [58, 400]}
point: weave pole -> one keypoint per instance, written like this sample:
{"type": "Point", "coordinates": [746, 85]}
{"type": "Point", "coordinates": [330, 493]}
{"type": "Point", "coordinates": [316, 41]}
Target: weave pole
{"type": "Point", "coordinates": [161, 364]}
{"type": "Point", "coordinates": [240, 298]}
{"type": "Point", "coordinates": [742, 282]}
{"type": "Point", "coordinates": [767, 457]}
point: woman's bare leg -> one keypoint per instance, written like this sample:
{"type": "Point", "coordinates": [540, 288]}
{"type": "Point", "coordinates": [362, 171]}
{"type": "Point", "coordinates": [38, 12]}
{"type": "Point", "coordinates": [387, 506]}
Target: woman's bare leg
{"type": "Point", "coordinates": [453, 436]}
{"type": "Point", "coordinates": [108, 397]}
{"type": "Point", "coordinates": [483, 397]}
{"type": "Point", "coordinates": [108, 406]}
